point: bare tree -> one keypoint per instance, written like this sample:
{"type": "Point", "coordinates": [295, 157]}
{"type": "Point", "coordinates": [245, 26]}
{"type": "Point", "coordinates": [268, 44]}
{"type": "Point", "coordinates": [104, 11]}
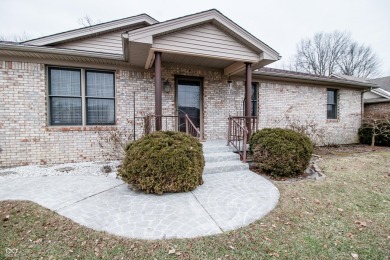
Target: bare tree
{"type": "Point", "coordinates": [379, 125]}
{"type": "Point", "coordinates": [358, 60]}
{"type": "Point", "coordinates": [16, 37]}
{"type": "Point", "coordinates": [328, 53]}
{"type": "Point", "coordinates": [87, 21]}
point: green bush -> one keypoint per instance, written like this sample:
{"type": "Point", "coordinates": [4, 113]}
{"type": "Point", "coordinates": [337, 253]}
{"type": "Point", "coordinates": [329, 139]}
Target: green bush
{"type": "Point", "coordinates": [281, 152]}
{"type": "Point", "coordinates": [164, 161]}
{"type": "Point", "coordinates": [365, 135]}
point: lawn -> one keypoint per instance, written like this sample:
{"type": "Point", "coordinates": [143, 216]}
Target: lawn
{"type": "Point", "coordinates": [344, 216]}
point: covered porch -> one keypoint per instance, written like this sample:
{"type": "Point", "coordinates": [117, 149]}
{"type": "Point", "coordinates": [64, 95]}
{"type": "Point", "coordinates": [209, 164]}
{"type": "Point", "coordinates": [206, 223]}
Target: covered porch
{"type": "Point", "coordinates": [194, 59]}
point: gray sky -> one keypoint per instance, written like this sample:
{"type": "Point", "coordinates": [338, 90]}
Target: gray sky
{"type": "Point", "coordinates": [279, 23]}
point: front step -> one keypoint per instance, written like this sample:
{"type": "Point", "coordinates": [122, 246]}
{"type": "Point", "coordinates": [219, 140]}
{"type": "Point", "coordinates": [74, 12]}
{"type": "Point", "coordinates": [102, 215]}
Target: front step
{"type": "Point", "coordinates": [225, 166]}
{"type": "Point", "coordinates": [221, 158]}
{"type": "Point", "coordinates": [211, 157]}
{"type": "Point", "coordinates": [217, 148]}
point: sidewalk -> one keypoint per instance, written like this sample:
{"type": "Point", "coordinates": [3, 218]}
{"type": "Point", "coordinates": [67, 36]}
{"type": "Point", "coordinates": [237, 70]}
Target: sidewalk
{"type": "Point", "coordinates": [224, 202]}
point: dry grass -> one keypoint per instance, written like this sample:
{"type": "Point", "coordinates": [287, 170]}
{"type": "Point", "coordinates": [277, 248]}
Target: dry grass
{"type": "Point", "coordinates": [346, 213]}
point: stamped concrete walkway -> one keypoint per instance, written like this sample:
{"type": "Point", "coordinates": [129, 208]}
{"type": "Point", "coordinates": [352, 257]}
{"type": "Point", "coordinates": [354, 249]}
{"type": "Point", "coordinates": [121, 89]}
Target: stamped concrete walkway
{"type": "Point", "coordinates": [224, 202]}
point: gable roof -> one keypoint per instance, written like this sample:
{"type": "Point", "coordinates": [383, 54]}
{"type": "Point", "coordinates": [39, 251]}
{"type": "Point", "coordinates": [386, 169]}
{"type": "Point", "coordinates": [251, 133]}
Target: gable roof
{"type": "Point", "coordinates": [145, 35]}
{"type": "Point", "coordinates": [92, 30]}
{"type": "Point", "coordinates": [207, 37]}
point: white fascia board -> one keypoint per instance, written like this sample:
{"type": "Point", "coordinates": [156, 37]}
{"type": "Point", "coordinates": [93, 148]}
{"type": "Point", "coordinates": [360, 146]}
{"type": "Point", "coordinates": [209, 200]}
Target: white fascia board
{"type": "Point", "coordinates": [99, 28]}
{"type": "Point", "coordinates": [199, 18]}
{"type": "Point", "coordinates": [381, 92]}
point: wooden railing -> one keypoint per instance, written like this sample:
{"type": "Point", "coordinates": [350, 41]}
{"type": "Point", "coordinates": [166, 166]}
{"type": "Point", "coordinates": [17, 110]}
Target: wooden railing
{"type": "Point", "coordinates": [192, 129]}
{"type": "Point", "coordinates": [238, 134]}
{"type": "Point", "coordinates": [171, 123]}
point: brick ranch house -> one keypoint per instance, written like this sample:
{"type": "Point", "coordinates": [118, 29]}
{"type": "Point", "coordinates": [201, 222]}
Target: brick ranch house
{"type": "Point", "coordinates": [59, 92]}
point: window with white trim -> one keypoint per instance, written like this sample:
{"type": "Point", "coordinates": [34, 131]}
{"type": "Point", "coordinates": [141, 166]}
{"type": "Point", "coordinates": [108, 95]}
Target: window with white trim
{"type": "Point", "coordinates": [81, 97]}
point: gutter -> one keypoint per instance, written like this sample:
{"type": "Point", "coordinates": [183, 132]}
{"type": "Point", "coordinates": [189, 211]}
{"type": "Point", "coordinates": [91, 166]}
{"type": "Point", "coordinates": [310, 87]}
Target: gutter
{"type": "Point", "coordinates": [304, 78]}
{"type": "Point", "coordinates": [48, 50]}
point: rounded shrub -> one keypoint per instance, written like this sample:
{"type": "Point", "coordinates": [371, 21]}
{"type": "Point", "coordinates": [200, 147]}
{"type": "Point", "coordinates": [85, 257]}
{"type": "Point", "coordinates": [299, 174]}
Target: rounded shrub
{"type": "Point", "coordinates": [164, 161]}
{"type": "Point", "coordinates": [281, 152]}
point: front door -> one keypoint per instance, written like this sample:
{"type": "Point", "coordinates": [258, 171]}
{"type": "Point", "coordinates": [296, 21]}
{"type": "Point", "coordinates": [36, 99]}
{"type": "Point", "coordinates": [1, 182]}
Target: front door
{"type": "Point", "coordinates": [189, 101]}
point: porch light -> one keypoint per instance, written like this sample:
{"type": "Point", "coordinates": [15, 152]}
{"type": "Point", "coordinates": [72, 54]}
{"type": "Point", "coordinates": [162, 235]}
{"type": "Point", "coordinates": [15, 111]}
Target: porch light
{"type": "Point", "coordinates": [167, 86]}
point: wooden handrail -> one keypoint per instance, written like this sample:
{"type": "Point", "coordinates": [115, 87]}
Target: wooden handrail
{"type": "Point", "coordinates": [238, 133]}
{"type": "Point", "coordinates": [191, 128]}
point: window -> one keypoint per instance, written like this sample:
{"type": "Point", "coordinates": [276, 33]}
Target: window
{"type": "Point", "coordinates": [100, 98]}
{"type": "Point", "coordinates": [77, 100]}
{"type": "Point", "coordinates": [254, 101]}
{"type": "Point", "coordinates": [332, 104]}
{"type": "Point", "coordinates": [65, 96]}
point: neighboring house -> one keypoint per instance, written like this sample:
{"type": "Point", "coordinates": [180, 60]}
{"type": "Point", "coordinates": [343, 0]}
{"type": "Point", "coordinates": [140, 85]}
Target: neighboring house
{"type": "Point", "coordinates": [380, 100]}
{"type": "Point", "coordinates": [376, 99]}
{"type": "Point", "coordinates": [58, 92]}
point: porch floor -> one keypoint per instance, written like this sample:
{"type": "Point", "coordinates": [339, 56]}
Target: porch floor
{"type": "Point", "coordinates": [231, 197]}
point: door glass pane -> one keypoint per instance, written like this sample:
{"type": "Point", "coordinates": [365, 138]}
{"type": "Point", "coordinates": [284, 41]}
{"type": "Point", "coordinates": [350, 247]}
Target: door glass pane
{"type": "Point", "coordinates": [188, 100]}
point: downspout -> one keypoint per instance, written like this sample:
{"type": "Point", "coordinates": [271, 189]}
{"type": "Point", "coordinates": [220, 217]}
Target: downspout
{"type": "Point", "coordinates": [362, 100]}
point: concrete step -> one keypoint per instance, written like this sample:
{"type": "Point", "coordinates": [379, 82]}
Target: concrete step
{"type": "Point", "coordinates": [225, 166]}
{"type": "Point", "coordinates": [216, 148]}
{"type": "Point", "coordinates": [221, 156]}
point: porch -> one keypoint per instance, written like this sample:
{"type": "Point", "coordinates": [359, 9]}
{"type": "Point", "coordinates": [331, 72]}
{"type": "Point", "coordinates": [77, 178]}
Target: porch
{"type": "Point", "coordinates": [202, 67]}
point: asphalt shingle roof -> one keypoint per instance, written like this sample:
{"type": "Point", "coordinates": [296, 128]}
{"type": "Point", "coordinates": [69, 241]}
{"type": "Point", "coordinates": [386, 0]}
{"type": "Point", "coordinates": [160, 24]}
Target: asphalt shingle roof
{"type": "Point", "coordinates": [382, 82]}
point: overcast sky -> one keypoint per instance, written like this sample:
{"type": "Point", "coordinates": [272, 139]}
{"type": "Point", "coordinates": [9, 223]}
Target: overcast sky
{"type": "Point", "coordinates": [279, 23]}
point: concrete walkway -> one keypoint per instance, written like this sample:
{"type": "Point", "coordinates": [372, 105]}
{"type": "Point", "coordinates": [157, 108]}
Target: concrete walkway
{"type": "Point", "coordinates": [224, 202]}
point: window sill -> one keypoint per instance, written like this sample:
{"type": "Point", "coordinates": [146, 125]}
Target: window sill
{"type": "Point", "coordinates": [92, 128]}
{"type": "Point", "coordinates": [332, 120]}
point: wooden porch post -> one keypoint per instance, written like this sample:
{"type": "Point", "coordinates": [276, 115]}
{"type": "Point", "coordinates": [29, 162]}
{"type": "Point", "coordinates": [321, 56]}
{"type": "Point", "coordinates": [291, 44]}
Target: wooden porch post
{"type": "Point", "coordinates": [248, 91]}
{"type": "Point", "coordinates": [158, 92]}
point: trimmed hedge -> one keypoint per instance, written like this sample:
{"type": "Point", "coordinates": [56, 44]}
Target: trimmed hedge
{"type": "Point", "coordinates": [281, 152]}
{"type": "Point", "coordinates": [164, 161]}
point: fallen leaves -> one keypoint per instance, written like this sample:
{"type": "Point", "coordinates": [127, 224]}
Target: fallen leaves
{"type": "Point", "coordinates": [6, 218]}
{"type": "Point", "coordinates": [355, 256]}
{"type": "Point", "coordinates": [361, 223]}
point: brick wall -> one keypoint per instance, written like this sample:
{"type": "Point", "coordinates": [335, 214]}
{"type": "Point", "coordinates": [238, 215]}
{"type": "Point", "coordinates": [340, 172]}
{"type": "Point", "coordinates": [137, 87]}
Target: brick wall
{"type": "Point", "coordinates": [26, 138]}
{"type": "Point", "coordinates": [377, 107]}
{"type": "Point", "coordinates": [286, 105]}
